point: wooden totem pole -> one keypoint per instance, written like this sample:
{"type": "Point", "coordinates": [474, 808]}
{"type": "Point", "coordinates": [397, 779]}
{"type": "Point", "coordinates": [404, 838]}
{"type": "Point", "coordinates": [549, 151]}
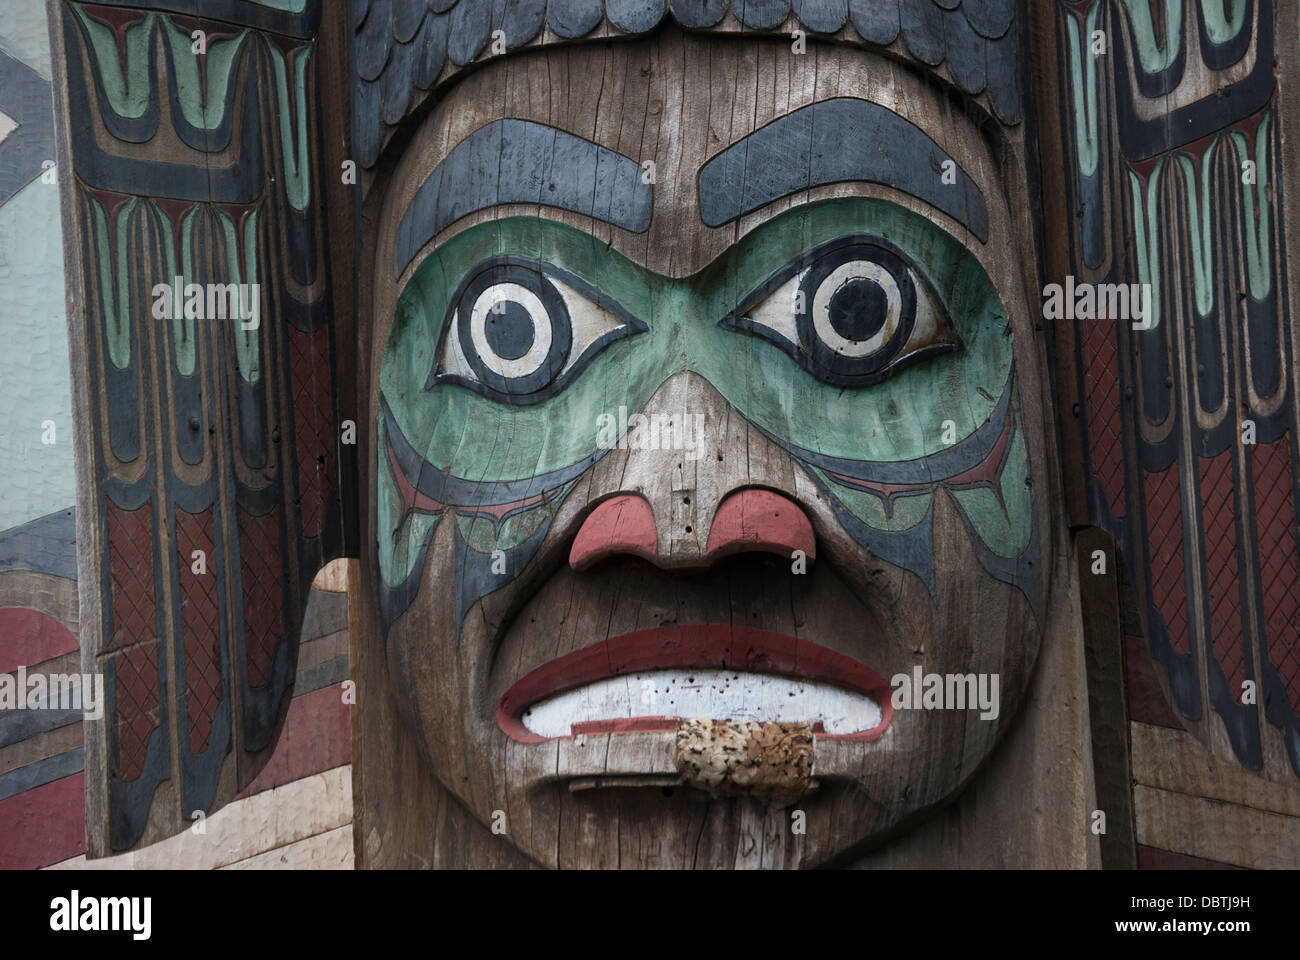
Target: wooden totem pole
{"type": "Point", "coordinates": [682, 374]}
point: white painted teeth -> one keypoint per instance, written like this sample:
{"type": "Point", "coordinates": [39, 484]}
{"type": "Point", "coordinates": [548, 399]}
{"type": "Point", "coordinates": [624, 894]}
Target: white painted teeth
{"type": "Point", "coordinates": [705, 694]}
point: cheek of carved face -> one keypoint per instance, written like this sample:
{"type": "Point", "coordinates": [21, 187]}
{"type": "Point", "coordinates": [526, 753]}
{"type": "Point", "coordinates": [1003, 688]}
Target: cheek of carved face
{"type": "Point", "coordinates": [752, 550]}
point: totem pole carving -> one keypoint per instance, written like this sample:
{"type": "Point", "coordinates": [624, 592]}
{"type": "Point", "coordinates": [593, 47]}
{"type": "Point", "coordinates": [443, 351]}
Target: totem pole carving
{"type": "Point", "coordinates": [208, 449]}
{"type": "Point", "coordinates": [808, 253]}
{"type": "Point", "coordinates": [1187, 423]}
{"type": "Point", "coordinates": [702, 388]}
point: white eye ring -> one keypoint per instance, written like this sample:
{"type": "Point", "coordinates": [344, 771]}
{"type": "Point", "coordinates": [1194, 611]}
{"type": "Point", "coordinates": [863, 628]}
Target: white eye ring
{"type": "Point", "coordinates": [507, 292]}
{"type": "Point", "coordinates": [821, 313]}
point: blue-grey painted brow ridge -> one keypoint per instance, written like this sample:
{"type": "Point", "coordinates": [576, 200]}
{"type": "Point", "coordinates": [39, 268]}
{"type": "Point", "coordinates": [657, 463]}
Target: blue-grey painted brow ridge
{"type": "Point", "coordinates": [836, 141]}
{"type": "Point", "coordinates": [519, 161]}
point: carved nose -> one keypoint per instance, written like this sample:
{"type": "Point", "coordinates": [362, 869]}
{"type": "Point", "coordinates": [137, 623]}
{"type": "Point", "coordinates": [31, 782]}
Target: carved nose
{"type": "Point", "coordinates": [619, 525]}
{"type": "Point", "coordinates": [747, 521]}
{"type": "Point", "coordinates": [760, 521]}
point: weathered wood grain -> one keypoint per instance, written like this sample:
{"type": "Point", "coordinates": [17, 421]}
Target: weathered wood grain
{"type": "Point", "coordinates": [435, 771]}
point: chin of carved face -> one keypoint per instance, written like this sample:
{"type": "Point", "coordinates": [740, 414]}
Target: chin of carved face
{"type": "Point", "coordinates": [699, 538]}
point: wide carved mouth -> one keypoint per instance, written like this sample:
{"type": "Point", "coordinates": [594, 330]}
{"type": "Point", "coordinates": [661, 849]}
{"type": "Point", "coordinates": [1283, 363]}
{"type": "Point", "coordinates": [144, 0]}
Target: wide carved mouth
{"type": "Point", "coordinates": [650, 680]}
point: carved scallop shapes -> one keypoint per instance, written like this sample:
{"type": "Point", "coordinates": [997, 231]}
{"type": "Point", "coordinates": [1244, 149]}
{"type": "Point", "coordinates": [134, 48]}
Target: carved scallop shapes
{"type": "Point", "coordinates": [373, 42]}
{"type": "Point", "coordinates": [519, 20]}
{"type": "Point", "coordinates": [574, 18]}
{"type": "Point", "coordinates": [698, 14]}
{"type": "Point", "coordinates": [399, 46]}
{"type": "Point", "coordinates": [761, 14]}
{"type": "Point", "coordinates": [875, 22]}
{"type": "Point", "coordinates": [822, 16]}
{"type": "Point", "coordinates": [922, 24]}
{"type": "Point", "coordinates": [407, 18]}
{"type": "Point", "coordinates": [431, 51]}
{"type": "Point", "coordinates": [471, 25]}
{"type": "Point", "coordinates": [636, 16]}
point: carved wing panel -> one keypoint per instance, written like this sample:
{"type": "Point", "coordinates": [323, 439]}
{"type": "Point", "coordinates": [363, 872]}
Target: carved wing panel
{"type": "Point", "coordinates": [1172, 125]}
{"type": "Point", "coordinates": [204, 356]}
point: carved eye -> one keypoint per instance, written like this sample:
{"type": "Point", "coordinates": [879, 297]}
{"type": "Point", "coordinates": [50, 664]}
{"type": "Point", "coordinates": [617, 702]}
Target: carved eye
{"type": "Point", "coordinates": [852, 313]}
{"type": "Point", "coordinates": [518, 330]}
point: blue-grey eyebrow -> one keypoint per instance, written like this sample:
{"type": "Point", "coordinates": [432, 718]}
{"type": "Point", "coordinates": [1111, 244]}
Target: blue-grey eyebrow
{"type": "Point", "coordinates": [836, 141]}
{"type": "Point", "coordinates": [521, 161]}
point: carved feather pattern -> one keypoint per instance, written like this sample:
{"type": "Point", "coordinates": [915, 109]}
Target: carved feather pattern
{"type": "Point", "coordinates": [403, 48]}
{"type": "Point", "coordinates": [211, 492]}
{"type": "Point", "coordinates": [1174, 149]}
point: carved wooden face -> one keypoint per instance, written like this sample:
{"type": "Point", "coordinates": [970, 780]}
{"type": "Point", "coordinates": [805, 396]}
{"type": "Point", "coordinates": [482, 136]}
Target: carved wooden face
{"type": "Point", "coordinates": [706, 391]}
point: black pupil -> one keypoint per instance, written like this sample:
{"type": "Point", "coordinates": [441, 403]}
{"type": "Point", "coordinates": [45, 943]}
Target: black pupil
{"type": "Point", "coordinates": [858, 309]}
{"type": "Point", "coordinates": [509, 330]}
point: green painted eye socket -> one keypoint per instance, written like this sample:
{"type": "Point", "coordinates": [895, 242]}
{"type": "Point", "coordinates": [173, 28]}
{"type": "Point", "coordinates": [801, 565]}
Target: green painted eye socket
{"type": "Point", "coordinates": [851, 312]}
{"type": "Point", "coordinates": [519, 329]}
{"type": "Point", "coordinates": [474, 431]}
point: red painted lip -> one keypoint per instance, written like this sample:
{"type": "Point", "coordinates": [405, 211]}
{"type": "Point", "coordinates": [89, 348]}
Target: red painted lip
{"type": "Point", "coordinates": [700, 646]}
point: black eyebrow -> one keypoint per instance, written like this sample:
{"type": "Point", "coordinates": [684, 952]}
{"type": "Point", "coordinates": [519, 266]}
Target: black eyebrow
{"type": "Point", "coordinates": [520, 161]}
{"type": "Point", "coordinates": [835, 141]}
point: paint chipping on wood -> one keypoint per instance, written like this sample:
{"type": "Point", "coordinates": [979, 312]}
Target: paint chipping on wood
{"type": "Point", "coordinates": [769, 760]}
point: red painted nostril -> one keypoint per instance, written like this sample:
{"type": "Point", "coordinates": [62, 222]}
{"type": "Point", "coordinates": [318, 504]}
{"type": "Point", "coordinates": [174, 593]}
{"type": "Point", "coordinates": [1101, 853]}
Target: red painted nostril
{"type": "Point", "coordinates": [760, 520]}
{"type": "Point", "coordinates": [623, 524]}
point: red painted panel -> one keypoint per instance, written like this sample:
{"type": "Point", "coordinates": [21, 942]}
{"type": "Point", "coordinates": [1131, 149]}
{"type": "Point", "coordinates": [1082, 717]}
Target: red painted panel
{"type": "Point", "coordinates": [1279, 569]}
{"type": "Point", "coordinates": [262, 588]}
{"type": "Point", "coordinates": [31, 637]}
{"type": "Point", "coordinates": [1219, 536]}
{"type": "Point", "coordinates": [1165, 550]}
{"type": "Point", "coordinates": [200, 623]}
{"type": "Point", "coordinates": [130, 564]}
{"type": "Point", "coordinates": [313, 416]}
{"type": "Point", "coordinates": [317, 736]}
{"type": "Point", "coordinates": [44, 825]}
{"type": "Point", "coordinates": [138, 707]}
{"type": "Point", "coordinates": [1101, 398]}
